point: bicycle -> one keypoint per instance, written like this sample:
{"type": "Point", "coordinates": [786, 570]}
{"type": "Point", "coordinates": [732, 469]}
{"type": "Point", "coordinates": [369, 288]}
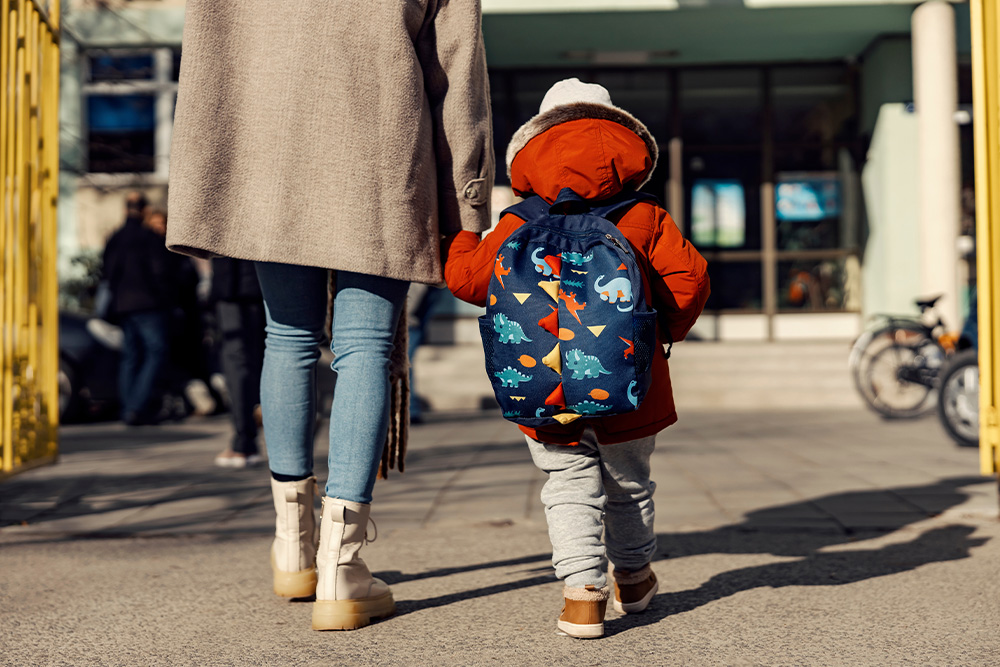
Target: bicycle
{"type": "Point", "coordinates": [896, 365]}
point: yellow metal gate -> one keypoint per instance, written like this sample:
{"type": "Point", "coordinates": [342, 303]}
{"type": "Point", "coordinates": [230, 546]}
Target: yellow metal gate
{"type": "Point", "coordinates": [29, 168]}
{"type": "Point", "coordinates": [986, 90]}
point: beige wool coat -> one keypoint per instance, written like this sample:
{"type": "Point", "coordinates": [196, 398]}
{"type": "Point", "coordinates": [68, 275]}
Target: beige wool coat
{"type": "Point", "coordinates": [346, 135]}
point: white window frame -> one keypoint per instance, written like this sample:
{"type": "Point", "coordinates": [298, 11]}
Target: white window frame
{"type": "Point", "coordinates": [163, 87]}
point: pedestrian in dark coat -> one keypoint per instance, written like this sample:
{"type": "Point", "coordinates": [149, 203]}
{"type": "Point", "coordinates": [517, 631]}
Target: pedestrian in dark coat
{"type": "Point", "coordinates": [137, 271]}
{"type": "Point", "coordinates": [239, 315]}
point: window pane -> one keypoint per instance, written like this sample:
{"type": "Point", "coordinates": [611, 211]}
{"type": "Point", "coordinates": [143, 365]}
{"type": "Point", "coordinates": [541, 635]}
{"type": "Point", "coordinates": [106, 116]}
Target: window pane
{"type": "Point", "coordinates": [722, 199]}
{"type": "Point", "coordinates": [720, 106]}
{"type": "Point", "coordinates": [735, 285]}
{"type": "Point", "coordinates": [812, 104]}
{"type": "Point", "coordinates": [808, 210]}
{"type": "Point", "coordinates": [112, 67]}
{"type": "Point", "coordinates": [817, 285]}
{"type": "Point", "coordinates": [122, 133]}
{"type": "Point", "coordinates": [718, 213]}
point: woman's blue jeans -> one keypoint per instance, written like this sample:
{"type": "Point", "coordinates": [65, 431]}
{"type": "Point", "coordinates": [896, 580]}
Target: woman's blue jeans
{"type": "Point", "coordinates": [364, 326]}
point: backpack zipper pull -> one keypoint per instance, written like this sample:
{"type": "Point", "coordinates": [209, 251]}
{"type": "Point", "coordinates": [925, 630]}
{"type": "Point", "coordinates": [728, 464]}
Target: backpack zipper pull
{"type": "Point", "coordinates": [615, 241]}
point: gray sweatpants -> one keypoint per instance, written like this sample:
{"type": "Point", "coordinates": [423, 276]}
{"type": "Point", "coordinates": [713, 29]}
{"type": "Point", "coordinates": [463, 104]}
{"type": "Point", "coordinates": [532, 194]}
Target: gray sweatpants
{"type": "Point", "coordinates": [593, 489]}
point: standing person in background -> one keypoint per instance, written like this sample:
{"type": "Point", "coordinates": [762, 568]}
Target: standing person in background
{"type": "Point", "coordinates": [420, 305]}
{"type": "Point", "coordinates": [239, 312]}
{"type": "Point", "coordinates": [137, 271]}
{"type": "Point", "coordinates": [313, 136]}
{"type": "Point", "coordinates": [186, 375]}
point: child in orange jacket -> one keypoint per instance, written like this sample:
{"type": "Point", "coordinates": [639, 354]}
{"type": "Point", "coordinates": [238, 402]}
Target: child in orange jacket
{"type": "Point", "coordinates": [600, 465]}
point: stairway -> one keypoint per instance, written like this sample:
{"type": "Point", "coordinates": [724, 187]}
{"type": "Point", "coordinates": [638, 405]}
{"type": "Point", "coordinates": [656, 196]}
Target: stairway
{"type": "Point", "coordinates": [450, 373]}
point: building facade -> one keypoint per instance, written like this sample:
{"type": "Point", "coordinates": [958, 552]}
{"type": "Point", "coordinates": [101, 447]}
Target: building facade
{"type": "Point", "coordinates": [790, 143]}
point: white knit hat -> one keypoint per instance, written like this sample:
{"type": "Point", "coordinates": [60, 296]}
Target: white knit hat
{"type": "Point", "coordinates": [572, 99]}
{"type": "Point", "coordinates": [570, 91]}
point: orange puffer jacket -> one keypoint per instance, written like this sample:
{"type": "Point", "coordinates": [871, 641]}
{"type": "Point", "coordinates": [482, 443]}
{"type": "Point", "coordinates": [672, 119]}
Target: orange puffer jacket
{"type": "Point", "coordinates": [597, 159]}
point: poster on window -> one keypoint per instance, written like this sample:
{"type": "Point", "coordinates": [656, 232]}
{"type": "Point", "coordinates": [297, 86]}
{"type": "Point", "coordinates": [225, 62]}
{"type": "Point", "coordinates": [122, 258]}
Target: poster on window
{"type": "Point", "coordinates": [718, 213]}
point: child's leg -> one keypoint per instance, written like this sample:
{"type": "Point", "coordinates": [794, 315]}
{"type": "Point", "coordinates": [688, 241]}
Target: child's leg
{"type": "Point", "coordinates": [628, 516]}
{"type": "Point", "coordinates": [574, 502]}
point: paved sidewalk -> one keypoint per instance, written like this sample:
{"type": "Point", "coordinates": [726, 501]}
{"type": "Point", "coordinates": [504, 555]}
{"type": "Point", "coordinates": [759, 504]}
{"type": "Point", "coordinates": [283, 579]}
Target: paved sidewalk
{"type": "Point", "coordinates": [800, 538]}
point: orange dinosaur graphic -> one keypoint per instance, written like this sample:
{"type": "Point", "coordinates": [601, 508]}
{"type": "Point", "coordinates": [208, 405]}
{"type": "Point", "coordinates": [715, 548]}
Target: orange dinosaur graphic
{"type": "Point", "coordinates": [499, 271]}
{"type": "Point", "coordinates": [631, 347]}
{"type": "Point", "coordinates": [571, 304]}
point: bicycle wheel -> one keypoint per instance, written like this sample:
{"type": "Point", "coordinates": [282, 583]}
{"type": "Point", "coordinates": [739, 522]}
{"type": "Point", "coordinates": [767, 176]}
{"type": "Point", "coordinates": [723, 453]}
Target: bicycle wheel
{"type": "Point", "coordinates": [890, 387]}
{"type": "Point", "coordinates": [958, 399]}
{"type": "Point", "coordinates": [870, 344]}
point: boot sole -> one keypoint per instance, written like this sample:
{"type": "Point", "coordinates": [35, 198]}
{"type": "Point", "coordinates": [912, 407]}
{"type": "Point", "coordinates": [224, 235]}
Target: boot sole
{"type": "Point", "coordinates": [351, 614]}
{"type": "Point", "coordinates": [636, 607]}
{"type": "Point", "coordinates": [582, 631]}
{"type": "Point", "coordinates": [300, 584]}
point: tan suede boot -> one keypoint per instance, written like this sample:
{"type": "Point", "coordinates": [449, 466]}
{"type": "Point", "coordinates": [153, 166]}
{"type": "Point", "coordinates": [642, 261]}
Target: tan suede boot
{"type": "Point", "coordinates": [293, 552]}
{"type": "Point", "coordinates": [347, 595]}
{"type": "Point", "coordinates": [583, 612]}
{"type": "Point", "coordinates": [633, 590]}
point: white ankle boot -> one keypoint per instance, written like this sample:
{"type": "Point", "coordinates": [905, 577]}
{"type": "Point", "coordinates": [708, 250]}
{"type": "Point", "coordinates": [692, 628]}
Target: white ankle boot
{"type": "Point", "coordinates": [293, 552]}
{"type": "Point", "coordinates": [347, 596]}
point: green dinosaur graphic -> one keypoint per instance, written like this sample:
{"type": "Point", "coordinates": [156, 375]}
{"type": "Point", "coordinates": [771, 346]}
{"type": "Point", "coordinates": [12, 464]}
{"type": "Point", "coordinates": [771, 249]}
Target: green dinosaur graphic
{"type": "Point", "coordinates": [510, 377]}
{"type": "Point", "coordinates": [584, 365]}
{"type": "Point", "coordinates": [588, 408]}
{"type": "Point", "coordinates": [509, 330]}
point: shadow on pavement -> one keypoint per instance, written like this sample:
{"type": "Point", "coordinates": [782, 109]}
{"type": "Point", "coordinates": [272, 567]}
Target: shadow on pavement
{"type": "Point", "coordinates": [772, 531]}
{"type": "Point", "coordinates": [838, 568]}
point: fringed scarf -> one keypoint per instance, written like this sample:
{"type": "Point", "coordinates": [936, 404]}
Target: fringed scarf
{"type": "Point", "coordinates": [394, 452]}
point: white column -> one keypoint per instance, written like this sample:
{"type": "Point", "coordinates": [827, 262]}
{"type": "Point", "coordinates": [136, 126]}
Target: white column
{"type": "Point", "coordinates": [935, 90]}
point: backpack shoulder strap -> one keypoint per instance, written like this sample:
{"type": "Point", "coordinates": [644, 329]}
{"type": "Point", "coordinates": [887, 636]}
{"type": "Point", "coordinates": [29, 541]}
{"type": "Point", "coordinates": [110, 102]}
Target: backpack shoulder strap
{"type": "Point", "coordinates": [622, 204]}
{"type": "Point", "coordinates": [532, 208]}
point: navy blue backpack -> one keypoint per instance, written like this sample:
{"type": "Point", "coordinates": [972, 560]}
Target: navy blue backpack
{"type": "Point", "coordinates": [567, 332]}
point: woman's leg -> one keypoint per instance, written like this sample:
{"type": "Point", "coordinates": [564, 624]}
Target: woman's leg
{"type": "Point", "coordinates": [365, 315]}
{"type": "Point", "coordinates": [574, 503]}
{"type": "Point", "coordinates": [295, 307]}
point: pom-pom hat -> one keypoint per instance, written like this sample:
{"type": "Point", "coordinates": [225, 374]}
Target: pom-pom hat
{"type": "Point", "coordinates": [572, 99]}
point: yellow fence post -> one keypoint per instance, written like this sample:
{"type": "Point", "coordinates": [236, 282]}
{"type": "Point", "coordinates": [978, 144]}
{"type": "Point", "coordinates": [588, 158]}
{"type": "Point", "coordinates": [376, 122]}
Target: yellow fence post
{"type": "Point", "coordinates": [29, 185]}
{"type": "Point", "coordinates": [986, 94]}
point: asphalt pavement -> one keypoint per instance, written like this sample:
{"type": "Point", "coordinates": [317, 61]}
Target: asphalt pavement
{"type": "Point", "coordinates": [785, 538]}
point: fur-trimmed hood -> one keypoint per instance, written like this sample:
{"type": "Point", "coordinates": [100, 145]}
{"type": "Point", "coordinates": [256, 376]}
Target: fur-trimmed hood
{"type": "Point", "coordinates": [567, 113]}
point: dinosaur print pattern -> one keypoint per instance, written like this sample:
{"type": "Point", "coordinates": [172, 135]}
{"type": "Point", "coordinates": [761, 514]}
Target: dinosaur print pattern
{"type": "Point", "coordinates": [509, 330]}
{"type": "Point", "coordinates": [514, 245]}
{"type": "Point", "coordinates": [511, 414]}
{"type": "Point", "coordinates": [510, 377]}
{"type": "Point", "coordinates": [615, 290]}
{"type": "Point", "coordinates": [630, 349]}
{"type": "Point", "coordinates": [549, 265]}
{"type": "Point", "coordinates": [499, 271]}
{"type": "Point", "coordinates": [573, 283]}
{"type": "Point", "coordinates": [577, 259]}
{"type": "Point", "coordinates": [571, 304]}
{"type": "Point", "coordinates": [584, 365]}
{"type": "Point", "coordinates": [633, 398]}
{"type": "Point", "coordinates": [588, 408]}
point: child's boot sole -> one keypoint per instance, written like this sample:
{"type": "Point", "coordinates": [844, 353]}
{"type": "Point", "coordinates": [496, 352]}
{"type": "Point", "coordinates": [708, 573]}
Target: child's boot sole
{"type": "Point", "coordinates": [300, 584]}
{"type": "Point", "coordinates": [580, 631]}
{"type": "Point", "coordinates": [636, 607]}
{"type": "Point", "coordinates": [351, 614]}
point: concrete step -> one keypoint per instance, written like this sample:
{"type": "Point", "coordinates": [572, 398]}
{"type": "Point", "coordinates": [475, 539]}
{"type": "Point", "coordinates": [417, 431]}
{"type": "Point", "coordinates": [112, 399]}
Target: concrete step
{"type": "Point", "coordinates": [705, 376]}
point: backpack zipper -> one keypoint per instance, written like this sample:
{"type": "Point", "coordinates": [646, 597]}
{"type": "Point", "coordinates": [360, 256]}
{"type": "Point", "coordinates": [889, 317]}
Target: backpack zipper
{"type": "Point", "coordinates": [615, 241]}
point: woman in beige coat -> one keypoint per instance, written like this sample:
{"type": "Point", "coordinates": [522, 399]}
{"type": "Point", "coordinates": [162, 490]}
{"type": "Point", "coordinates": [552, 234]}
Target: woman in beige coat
{"type": "Point", "coordinates": [312, 136]}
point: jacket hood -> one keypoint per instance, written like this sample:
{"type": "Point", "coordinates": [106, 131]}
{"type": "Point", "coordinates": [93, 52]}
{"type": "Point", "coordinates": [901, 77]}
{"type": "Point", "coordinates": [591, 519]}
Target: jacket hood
{"type": "Point", "coordinates": [596, 150]}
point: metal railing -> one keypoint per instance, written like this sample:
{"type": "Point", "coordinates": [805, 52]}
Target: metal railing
{"type": "Point", "coordinates": [986, 110]}
{"type": "Point", "coordinates": [29, 167]}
